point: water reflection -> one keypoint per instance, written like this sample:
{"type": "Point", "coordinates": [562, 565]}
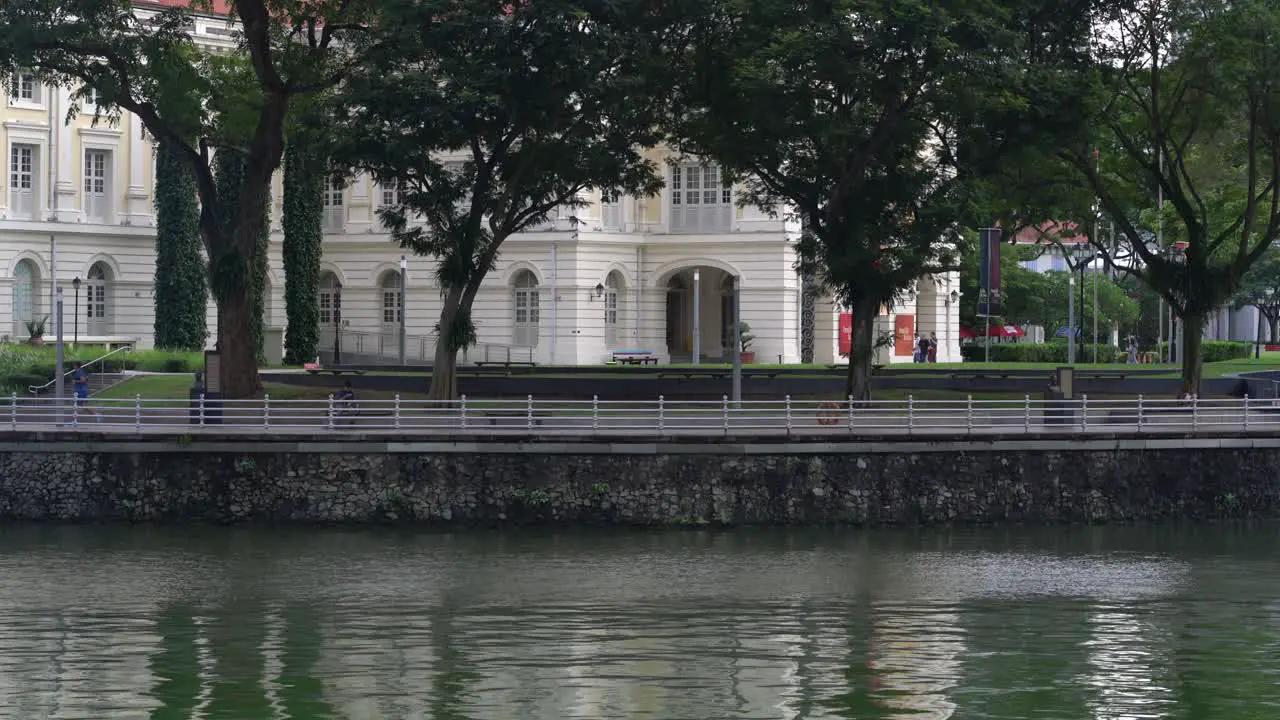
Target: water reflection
{"type": "Point", "coordinates": [105, 623]}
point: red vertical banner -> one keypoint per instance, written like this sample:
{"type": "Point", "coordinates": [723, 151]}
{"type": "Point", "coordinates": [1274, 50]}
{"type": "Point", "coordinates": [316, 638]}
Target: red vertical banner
{"type": "Point", "coordinates": [904, 334]}
{"type": "Point", "coordinates": [846, 333]}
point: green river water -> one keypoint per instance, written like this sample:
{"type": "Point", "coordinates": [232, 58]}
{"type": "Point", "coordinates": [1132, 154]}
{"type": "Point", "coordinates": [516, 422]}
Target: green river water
{"type": "Point", "coordinates": [1140, 622]}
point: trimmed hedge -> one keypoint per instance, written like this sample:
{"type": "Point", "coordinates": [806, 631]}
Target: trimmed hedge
{"type": "Point", "coordinates": [1219, 350]}
{"type": "Point", "coordinates": [1051, 352]}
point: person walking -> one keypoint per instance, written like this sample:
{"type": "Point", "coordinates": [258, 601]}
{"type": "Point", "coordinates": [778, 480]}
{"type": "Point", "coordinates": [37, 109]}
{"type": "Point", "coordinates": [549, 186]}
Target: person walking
{"type": "Point", "coordinates": [80, 381]}
{"type": "Point", "coordinates": [933, 347]}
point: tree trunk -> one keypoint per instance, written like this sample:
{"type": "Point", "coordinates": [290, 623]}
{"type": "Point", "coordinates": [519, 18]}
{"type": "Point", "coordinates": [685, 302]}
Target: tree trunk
{"type": "Point", "coordinates": [444, 369]}
{"type": "Point", "coordinates": [862, 351]}
{"type": "Point", "coordinates": [1192, 336]}
{"type": "Point", "coordinates": [238, 353]}
{"type": "Point", "coordinates": [1273, 322]}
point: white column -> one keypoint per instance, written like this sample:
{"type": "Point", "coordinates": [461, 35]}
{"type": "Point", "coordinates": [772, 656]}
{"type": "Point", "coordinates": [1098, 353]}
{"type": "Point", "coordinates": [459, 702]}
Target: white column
{"type": "Point", "coordinates": [137, 206]}
{"type": "Point", "coordinates": [66, 199]}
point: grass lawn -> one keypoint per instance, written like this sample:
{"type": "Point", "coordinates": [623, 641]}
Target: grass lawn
{"type": "Point", "coordinates": [171, 387]}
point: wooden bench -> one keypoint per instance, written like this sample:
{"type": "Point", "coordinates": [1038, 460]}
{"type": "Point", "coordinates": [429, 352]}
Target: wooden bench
{"type": "Point", "coordinates": [633, 357]}
{"type": "Point", "coordinates": [694, 374]}
{"type": "Point", "coordinates": [505, 367]}
{"type": "Point", "coordinates": [315, 368]}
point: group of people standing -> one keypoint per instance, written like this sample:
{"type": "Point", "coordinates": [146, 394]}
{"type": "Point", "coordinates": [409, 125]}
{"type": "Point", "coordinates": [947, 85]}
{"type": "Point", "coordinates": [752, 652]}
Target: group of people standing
{"type": "Point", "coordinates": [926, 349]}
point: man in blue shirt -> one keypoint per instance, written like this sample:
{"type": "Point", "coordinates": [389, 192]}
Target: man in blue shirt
{"type": "Point", "coordinates": [80, 381]}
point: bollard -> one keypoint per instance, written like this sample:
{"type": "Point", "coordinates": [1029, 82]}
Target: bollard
{"type": "Point", "coordinates": [397, 411]}
{"type": "Point", "coordinates": [137, 411]}
{"type": "Point", "coordinates": [330, 411]}
{"type": "Point", "coordinates": [462, 412]}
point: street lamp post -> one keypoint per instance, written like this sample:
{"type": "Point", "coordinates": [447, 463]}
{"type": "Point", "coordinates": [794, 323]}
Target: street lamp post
{"type": "Point", "coordinates": [404, 278]}
{"type": "Point", "coordinates": [59, 358]}
{"type": "Point", "coordinates": [75, 338]}
{"type": "Point", "coordinates": [697, 316]}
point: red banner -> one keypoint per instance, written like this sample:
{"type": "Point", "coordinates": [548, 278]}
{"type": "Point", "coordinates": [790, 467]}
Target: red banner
{"type": "Point", "coordinates": [846, 333]}
{"type": "Point", "coordinates": [904, 334]}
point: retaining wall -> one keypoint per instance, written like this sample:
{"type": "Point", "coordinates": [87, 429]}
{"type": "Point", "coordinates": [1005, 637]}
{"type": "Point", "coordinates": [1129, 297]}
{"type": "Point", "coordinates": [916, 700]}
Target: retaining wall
{"type": "Point", "coordinates": [229, 479]}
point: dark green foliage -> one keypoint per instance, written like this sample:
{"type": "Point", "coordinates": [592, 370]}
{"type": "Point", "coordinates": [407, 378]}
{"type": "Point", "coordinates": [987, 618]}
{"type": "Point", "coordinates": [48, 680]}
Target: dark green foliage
{"type": "Point", "coordinates": [1219, 350]}
{"type": "Point", "coordinates": [229, 167]}
{"type": "Point", "coordinates": [874, 123]}
{"type": "Point", "coordinates": [537, 106]}
{"type": "Point", "coordinates": [303, 204]}
{"type": "Point", "coordinates": [181, 290]}
{"type": "Point", "coordinates": [1050, 352]}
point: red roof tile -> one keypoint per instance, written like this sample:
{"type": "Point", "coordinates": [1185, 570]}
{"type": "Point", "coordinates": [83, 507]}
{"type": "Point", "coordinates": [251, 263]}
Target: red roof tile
{"type": "Point", "coordinates": [220, 7]}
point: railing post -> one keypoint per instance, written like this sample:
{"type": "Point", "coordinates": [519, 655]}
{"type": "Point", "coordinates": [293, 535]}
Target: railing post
{"type": "Point", "coordinates": [850, 413]}
{"type": "Point", "coordinates": [529, 415]}
{"type": "Point", "coordinates": [1084, 412]}
{"type": "Point", "coordinates": [788, 400]}
{"type": "Point", "coordinates": [397, 411]}
{"type": "Point", "coordinates": [75, 410]}
{"type": "Point", "coordinates": [1026, 415]}
{"type": "Point", "coordinates": [13, 410]}
{"type": "Point", "coordinates": [462, 412]}
{"type": "Point", "coordinates": [137, 411]}
{"type": "Point", "coordinates": [266, 410]}
{"type": "Point", "coordinates": [724, 410]}
{"type": "Point", "coordinates": [661, 413]}
{"type": "Point", "coordinates": [595, 412]}
{"type": "Point", "coordinates": [1140, 413]}
{"type": "Point", "coordinates": [1195, 413]}
{"type": "Point", "coordinates": [201, 408]}
{"type": "Point", "coordinates": [911, 412]}
{"type": "Point", "coordinates": [968, 424]}
{"type": "Point", "coordinates": [330, 411]}
{"type": "Point", "coordinates": [1246, 411]}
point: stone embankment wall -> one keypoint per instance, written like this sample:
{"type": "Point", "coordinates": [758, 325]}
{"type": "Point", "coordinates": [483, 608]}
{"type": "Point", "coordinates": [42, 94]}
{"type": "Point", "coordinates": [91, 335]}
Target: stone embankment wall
{"type": "Point", "coordinates": [230, 480]}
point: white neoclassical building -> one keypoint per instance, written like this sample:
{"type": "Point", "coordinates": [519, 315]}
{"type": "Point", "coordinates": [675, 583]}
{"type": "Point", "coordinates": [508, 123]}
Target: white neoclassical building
{"type": "Point", "coordinates": [621, 273]}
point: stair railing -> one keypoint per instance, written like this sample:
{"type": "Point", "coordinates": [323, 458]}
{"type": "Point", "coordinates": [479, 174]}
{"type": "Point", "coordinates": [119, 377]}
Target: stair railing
{"type": "Point", "coordinates": [37, 389]}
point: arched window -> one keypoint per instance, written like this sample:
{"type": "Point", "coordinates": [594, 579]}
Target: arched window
{"type": "Point", "coordinates": [329, 299]}
{"type": "Point", "coordinates": [26, 297]}
{"type": "Point", "coordinates": [527, 314]}
{"type": "Point", "coordinates": [612, 294]}
{"type": "Point", "coordinates": [392, 299]}
{"type": "Point", "coordinates": [97, 299]}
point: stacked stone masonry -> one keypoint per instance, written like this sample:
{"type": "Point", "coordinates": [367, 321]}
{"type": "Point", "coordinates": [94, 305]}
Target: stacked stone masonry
{"type": "Point", "coordinates": [508, 482]}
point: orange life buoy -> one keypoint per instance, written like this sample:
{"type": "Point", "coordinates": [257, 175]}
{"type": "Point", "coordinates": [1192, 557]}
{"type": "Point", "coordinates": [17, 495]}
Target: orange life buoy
{"type": "Point", "coordinates": [829, 413]}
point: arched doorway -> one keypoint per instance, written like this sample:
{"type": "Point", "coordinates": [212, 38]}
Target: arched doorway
{"type": "Point", "coordinates": [98, 300]}
{"type": "Point", "coordinates": [715, 308]}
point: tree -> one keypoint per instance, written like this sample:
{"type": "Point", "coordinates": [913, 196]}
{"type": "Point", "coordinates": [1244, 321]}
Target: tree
{"type": "Point", "coordinates": [152, 68]}
{"type": "Point", "coordinates": [1022, 291]}
{"type": "Point", "coordinates": [490, 121]}
{"type": "Point", "coordinates": [304, 173]}
{"type": "Point", "coordinates": [1185, 106]}
{"type": "Point", "coordinates": [182, 287]}
{"type": "Point", "coordinates": [874, 124]}
{"type": "Point", "coordinates": [228, 173]}
{"type": "Point", "coordinates": [1261, 289]}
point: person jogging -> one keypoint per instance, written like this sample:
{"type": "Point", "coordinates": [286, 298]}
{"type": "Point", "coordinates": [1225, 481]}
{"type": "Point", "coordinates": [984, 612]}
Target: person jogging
{"type": "Point", "coordinates": [80, 381]}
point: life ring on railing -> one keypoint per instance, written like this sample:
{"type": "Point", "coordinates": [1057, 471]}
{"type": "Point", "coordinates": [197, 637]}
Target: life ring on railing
{"type": "Point", "coordinates": [829, 413]}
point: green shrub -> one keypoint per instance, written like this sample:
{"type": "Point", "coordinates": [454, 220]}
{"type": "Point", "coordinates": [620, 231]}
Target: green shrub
{"type": "Point", "coordinates": [1219, 350]}
{"type": "Point", "coordinates": [1050, 352]}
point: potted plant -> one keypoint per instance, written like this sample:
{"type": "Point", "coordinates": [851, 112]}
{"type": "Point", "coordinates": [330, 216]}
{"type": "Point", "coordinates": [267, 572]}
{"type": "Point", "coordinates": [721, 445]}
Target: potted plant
{"type": "Point", "coordinates": [35, 329]}
{"type": "Point", "coordinates": [744, 338]}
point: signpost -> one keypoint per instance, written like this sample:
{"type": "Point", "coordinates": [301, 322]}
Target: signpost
{"type": "Point", "coordinates": [989, 280]}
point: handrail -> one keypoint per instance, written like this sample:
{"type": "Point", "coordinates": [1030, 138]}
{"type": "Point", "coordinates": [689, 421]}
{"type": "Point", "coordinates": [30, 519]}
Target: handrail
{"type": "Point", "coordinates": [35, 389]}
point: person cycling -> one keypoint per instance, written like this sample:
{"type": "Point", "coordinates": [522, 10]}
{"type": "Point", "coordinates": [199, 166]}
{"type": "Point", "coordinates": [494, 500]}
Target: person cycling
{"type": "Point", "coordinates": [345, 403]}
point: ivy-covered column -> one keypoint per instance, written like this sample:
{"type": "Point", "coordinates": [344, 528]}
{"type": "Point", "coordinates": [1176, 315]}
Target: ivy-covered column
{"type": "Point", "coordinates": [228, 174]}
{"type": "Point", "coordinates": [181, 290]}
{"type": "Point", "coordinates": [303, 204]}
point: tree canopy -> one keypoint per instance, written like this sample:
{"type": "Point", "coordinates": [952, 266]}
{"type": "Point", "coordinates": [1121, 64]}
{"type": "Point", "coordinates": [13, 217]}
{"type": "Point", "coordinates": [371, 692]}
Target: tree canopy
{"type": "Point", "coordinates": [875, 124]}
{"type": "Point", "coordinates": [150, 65]}
{"type": "Point", "coordinates": [487, 122]}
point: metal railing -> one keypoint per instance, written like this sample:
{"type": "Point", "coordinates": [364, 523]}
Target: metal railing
{"type": "Point", "coordinates": [383, 348]}
{"type": "Point", "coordinates": [37, 389]}
{"type": "Point", "coordinates": [497, 353]}
{"type": "Point", "coordinates": [593, 417]}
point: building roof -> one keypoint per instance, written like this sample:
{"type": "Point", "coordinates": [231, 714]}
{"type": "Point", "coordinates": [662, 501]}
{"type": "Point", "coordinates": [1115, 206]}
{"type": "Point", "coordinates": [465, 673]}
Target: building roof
{"type": "Point", "coordinates": [1048, 233]}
